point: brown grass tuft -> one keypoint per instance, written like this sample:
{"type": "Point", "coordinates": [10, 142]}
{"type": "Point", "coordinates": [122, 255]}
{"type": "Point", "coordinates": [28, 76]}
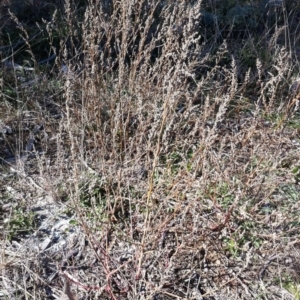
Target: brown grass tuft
{"type": "Point", "coordinates": [152, 158]}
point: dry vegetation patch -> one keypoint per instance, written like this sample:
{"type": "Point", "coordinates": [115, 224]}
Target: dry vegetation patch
{"type": "Point", "coordinates": [147, 160]}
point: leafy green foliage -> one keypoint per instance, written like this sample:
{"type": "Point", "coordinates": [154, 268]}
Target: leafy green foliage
{"type": "Point", "coordinates": [20, 223]}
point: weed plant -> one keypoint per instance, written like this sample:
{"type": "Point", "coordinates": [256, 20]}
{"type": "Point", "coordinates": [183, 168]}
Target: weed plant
{"type": "Point", "coordinates": [168, 134]}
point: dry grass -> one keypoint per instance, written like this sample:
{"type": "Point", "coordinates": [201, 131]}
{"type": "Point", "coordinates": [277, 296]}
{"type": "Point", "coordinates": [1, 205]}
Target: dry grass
{"type": "Point", "coordinates": [161, 167]}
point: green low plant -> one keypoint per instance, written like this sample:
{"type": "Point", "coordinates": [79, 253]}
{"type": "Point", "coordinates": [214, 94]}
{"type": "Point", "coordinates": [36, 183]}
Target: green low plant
{"type": "Point", "coordinates": [20, 223]}
{"type": "Point", "coordinates": [289, 284]}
